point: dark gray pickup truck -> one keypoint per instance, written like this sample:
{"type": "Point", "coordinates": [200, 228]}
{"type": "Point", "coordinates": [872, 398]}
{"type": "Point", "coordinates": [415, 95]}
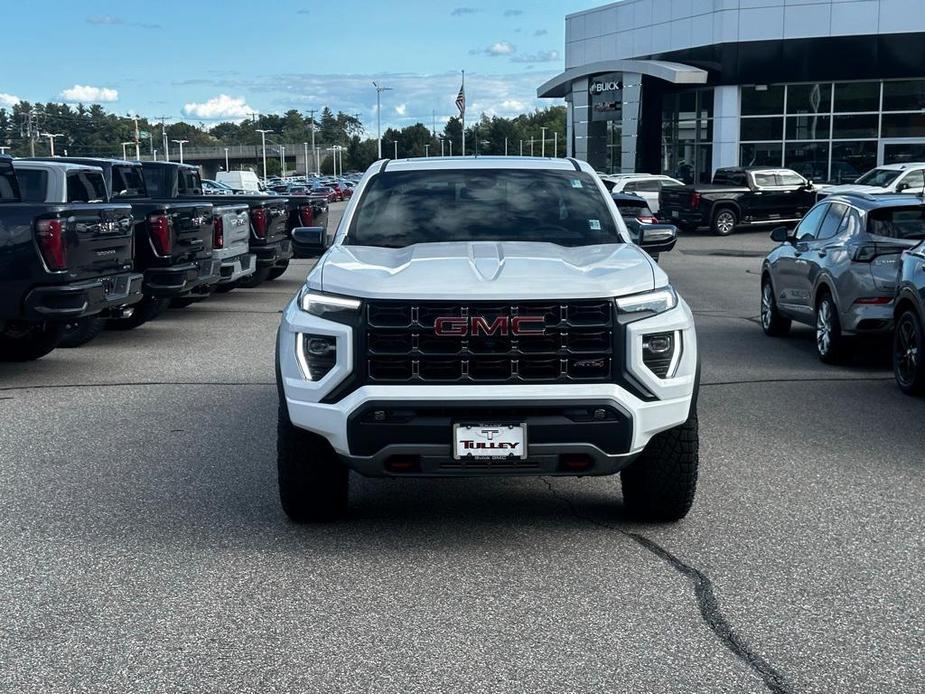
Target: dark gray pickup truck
{"type": "Point", "coordinates": [61, 262]}
{"type": "Point", "coordinates": [738, 197]}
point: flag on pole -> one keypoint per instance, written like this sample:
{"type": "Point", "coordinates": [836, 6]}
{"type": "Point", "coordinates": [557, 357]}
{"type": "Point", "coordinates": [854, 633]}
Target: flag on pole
{"type": "Point", "coordinates": [461, 99]}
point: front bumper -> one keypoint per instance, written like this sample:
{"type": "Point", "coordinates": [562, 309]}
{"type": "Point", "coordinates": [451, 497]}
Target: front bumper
{"type": "Point", "coordinates": [167, 282]}
{"type": "Point", "coordinates": [372, 424]}
{"type": "Point", "coordinates": [85, 298]}
{"type": "Point", "coordinates": [233, 269]}
{"type": "Point", "coordinates": [273, 254]}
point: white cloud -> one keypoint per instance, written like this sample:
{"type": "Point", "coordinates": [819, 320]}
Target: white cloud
{"type": "Point", "coordinates": [500, 48]}
{"type": "Point", "coordinates": [401, 110]}
{"type": "Point", "coordinates": [513, 105]}
{"type": "Point", "coordinates": [84, 93]}
{"type": "Point", "coordinates": [539, 57]}
{"type": "Point", "coordinates": [8, 100]}
{"type": "Point", "coordinates": [221, 107]}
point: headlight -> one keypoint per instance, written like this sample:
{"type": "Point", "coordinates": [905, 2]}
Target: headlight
{"type": "Point", "coordinates": [654, 302]}
{"type": "Point", "coordinates": [319, 304]}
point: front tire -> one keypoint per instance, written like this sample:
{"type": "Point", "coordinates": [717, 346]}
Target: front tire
{"type": "Point", "coordinates": [909, 354]}
{"type": "Point", "coordinates": [660, 484]}
{"type": "Point", "coordinates": [724, 222]}
{"type": "Point", "coordinates": [29, 341]}
{"type": "Point", "coordinates": [80, 331]}
{"type": "Point", "coordinates": [772, 322]}
{"type": "Point", "coordinates": [313, 483]}
{"type": "Point", "coordinates": [830, 343]}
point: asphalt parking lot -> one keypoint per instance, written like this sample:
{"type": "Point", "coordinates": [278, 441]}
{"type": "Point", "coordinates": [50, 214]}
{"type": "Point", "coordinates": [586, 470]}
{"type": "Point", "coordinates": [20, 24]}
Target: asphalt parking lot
{"type": "Point", "coordinates": [142, 547]}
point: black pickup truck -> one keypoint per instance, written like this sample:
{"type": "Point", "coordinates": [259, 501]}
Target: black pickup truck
{"type": "Point", "coordinates": [269, 239]}
{"type": "Point", "coordinates": [738, 197]}
{"type": "Point", "coordinates": [60, 262]}
{"type": "Point", "coordinates": [173, 239]}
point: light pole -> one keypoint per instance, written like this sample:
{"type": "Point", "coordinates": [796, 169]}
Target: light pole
{"type": "Point", "coordinates": [441, 146]}
{"type": "Point", "coordinates": [305, 154]}
{"type": "Point", "coordinates": [227, 167]}
{"type": "Point", "coordinates": [263, 141]}
{"type": "Point", "coordinates": [333, 152]}
{"type": "Point", "coordinates": [521, 148]}
{"type": "Point", "coordinates": [543, 146]}
{"type": "Point", "coordinates": [531, 146]}
{"type": "Point", "coordinates": [154, 154]}
{"type": "Point", "coordinates": [426, 150]}
{"type": "Point", "coordinates": [282, 160]}
{"type": "Point", "coordinates": [395, 142]}
{"type": "Point", "coordinates": [3, 149]}
{"type": "Point", "coordinates": [555, 139]}
{"type": "Point", "coordinates": [505, 146]}
{"type": "Point", "coordinates": [181, 143]}
{"type": "Point", "coordinates": [451, 147]}
{"type": "Point", "coordinates": [51, 141]}
{"type": "Point", "coordinates": [379, 90]}
{"type": "Point", "coordinates": [126, 144]}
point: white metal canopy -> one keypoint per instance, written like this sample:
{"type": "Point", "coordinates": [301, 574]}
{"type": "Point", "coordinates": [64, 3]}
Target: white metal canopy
{"type": "Point", "coordinates": [676, 73]}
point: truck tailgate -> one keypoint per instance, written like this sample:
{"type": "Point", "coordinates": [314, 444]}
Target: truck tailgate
{"type": "Point", "coordinates": [192, 226]}
{"type": "Point", "coordinates": [97, 237]}
{"type": "Point", "coordinates": [235, 225]}
{"type": "Point", "coordinates": [674, 197]}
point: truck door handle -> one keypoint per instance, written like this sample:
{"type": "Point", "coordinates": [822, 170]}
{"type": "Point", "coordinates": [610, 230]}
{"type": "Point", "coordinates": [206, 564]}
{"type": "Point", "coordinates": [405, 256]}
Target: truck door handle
{"type": "Point", "coordinates": [823, 253]}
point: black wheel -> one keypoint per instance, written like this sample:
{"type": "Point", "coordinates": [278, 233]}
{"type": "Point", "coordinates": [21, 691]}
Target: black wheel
{"type": "Point", "coordinates": [660, 484]}
{"type": "Point", "coordinates": [772, 322]}
{"type": "Point", "coordinates": [724, 222]}
{"type": "Point", "coordinates": [909, 354]}
{"type": "Point", "coordinates": [277, 271]}
{"type": "Point", "coordinates": [259, 277]}
{"type": "Point", "coordinates": [147, 309]}
{"type": "Point", "coordinates": [29, 341]}
{"type": "Point", "coordinates": [313, 483]}
{"type": "Point", "coordinates": [80, 331]}
{"type": "Point", "coordinates": [830, 343]}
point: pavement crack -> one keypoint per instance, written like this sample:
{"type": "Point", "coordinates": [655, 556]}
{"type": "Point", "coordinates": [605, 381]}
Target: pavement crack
{"type": "Point", "coordinates": [710, 610]}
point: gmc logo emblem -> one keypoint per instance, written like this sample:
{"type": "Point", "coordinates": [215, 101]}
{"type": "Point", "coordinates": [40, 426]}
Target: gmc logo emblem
{"type": "Point", "coordinates": [454, 326]}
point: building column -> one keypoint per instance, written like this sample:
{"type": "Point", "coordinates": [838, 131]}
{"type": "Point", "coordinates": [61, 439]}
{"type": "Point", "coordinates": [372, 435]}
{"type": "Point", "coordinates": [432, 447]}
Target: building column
{"type": "Point", "coordinates": [569, 128]}
{"type": "Point", "coordinates": [726, 110]}
{"type": "Point", "coordinates": [632, 98]}
{"type": "Point", "coordinates": [581, 116]}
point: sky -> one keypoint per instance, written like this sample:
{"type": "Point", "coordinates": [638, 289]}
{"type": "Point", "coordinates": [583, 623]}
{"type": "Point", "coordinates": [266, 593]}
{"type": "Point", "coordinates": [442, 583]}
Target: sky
{"type": "Point", "coordinates": [212, 60]}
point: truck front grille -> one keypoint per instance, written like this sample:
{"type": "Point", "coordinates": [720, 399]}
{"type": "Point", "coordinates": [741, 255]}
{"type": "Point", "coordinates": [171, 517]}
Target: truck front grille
{"type": "Point", "coordinates": [478, 342]}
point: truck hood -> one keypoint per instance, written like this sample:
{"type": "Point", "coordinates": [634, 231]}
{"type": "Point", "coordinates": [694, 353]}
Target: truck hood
{"type": "Point", "coordinates": [851, 188]}
{"type": "Point", "coordinates": [487, 270]}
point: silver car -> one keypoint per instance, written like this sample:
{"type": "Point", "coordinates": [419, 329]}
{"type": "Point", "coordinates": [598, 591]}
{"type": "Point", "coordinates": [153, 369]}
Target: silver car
{"type": "Point", "coordinates": [838, 270]}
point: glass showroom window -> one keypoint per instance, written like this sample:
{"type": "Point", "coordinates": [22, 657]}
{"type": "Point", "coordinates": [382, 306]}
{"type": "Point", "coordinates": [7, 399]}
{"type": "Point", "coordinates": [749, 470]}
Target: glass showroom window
{"type": "Point", "coordinates": [687, 135]}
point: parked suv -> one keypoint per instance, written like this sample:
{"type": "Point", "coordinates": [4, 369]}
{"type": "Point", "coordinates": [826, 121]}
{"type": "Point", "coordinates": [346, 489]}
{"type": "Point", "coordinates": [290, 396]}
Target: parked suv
{"type": "Point", "coordinates": [909, 333]}
{"type": "Point", "coordinates": [646, 186]}
{"type": "Point", "coordinates": [893, 178]}
{"type": "Point", "coordinates": [837, 271]}
{"type": "Point", "coordinates": [456, 328]}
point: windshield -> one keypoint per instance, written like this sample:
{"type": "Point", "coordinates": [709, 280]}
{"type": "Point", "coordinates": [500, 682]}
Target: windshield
{"type": "Point", "coordinates": [402, 208]}
{"type": "Point", "coordinates": [898, 222]}
{"type": "Point", "coordinates": [878, 177]}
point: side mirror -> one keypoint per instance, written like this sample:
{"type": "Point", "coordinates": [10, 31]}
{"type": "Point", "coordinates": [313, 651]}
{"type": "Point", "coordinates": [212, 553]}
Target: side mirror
{"type": "Point", "coordinates": [309, 242]}
{"type": "Point", "coordinates": [902, 186]}
{"type": "Point", "coordinates": [657, 238]}
{"type": "Point", "coordinates": [780, 235]}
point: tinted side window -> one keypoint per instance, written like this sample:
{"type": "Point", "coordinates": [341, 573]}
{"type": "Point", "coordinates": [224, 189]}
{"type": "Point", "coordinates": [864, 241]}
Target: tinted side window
{"type": "Point", "coordinates": [765, 180]}
{"type": "Point", "coordinates": [790, 179]}
{"type": "Point", "coordinates": [898, 222]}
{"type": "Point", "coordinates": [832, 221]}
{"type": "Point", "coordinates": [806, 230]}
{"type": "Point", "coordinates": [188, 182]}
{"type": "Point", "coordinates": [154, 182]}
{"type": "Point", "coordinates": [32, 184]}
{"type": "Point", "coordinates": [83, 186]}
{"type": "Point", "coordinates": [730, 178]}
{"type": "Point", "coordinates": [127, 182]}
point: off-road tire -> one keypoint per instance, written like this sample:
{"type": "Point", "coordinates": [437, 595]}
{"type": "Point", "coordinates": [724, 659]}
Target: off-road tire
{"type": "Point", "coordinates": [29, 342]}
{"type": "Point", "coordinates": [313, 483]}
{"type": "Point", "coordinates": [79, 332]}
{"type": "Point", "coordinates": [277, 271]}
{"type": "Point", "coordinates": [772, 322]}
{"type": "Point", "coordinates": [724, 221]}
{"type": "Point", "coordinates": [147, 309]}
{"type": "Point", "coordinates": [909, 354]}
{"type": "Point", "coordinates": [259, 277]}
{"type": "Point", "coordinates": [660, 484]}
{"type": "Point", "coordinates": [831, 345]}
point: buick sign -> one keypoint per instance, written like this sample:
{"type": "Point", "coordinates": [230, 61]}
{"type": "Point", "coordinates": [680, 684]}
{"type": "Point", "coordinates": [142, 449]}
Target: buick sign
{"type": "Point", "coordinates": [601, 87]}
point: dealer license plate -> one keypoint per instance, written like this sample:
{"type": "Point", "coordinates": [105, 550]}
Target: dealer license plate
{"type": "Point", "coordinates": [489, 441]}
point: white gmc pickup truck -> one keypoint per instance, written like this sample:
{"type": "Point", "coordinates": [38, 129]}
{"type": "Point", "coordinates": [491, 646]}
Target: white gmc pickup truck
{"type": "Point", "coordinates": [486, 316]}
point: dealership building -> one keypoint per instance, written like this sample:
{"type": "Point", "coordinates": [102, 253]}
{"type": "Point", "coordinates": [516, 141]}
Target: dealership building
{"type": "Point", "coordinates": [830, 88]}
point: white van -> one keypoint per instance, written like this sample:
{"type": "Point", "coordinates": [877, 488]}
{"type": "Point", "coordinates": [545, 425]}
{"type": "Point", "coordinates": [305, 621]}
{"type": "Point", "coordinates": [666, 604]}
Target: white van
{"type": "Point", "coordinates": [245, 181]}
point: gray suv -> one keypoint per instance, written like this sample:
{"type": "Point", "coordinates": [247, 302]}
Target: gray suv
{"type": "Point", "coordinates": [837, 271]}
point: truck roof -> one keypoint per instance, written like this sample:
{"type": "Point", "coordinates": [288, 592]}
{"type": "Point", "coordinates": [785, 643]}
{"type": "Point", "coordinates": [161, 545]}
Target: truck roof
{"type": "Point", "coordinates": [480, 162]}
{"type": "Point", "coordinates": [903, 167]}
{"type": "Point", "coordinates": [168, 164]}
{"type": "Point", "coordinates": [63, 165]}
